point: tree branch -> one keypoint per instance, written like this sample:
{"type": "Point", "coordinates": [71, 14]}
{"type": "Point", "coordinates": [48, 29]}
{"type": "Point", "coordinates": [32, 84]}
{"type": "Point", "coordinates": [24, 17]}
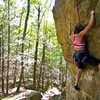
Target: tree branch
{"type": "Point", "coordinates": [44, 4]}
{"type": "Point", "coordinates": [45, 11]}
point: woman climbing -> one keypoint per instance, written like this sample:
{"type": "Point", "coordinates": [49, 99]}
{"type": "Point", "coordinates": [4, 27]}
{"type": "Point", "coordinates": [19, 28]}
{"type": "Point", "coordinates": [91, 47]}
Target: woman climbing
{"type": "Point", "coordinates": [81, 55]}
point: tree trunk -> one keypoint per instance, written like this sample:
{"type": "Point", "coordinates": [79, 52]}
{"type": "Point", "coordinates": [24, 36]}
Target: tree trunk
{"type": "Point", "coordinates": [43, 63]}
{"type": "Point", "coordinates": [43, 55]}
{"type": "Point", "coordinates": [43, 69]}
{"type": "Point", "coordinates": [22, 58]}
{"type": "Point", "coordinates": [15, 69]}
{"type": "Point", "coordinates": [0, 45]}
{"type": "Point", "coordinates": [60, 70]}
{"type": "Point", "coordinates": [42, 78]}
{"type": "Point", "coordinates": [36, 50]}
{"type": "Point", "coordinates": [62, 77]}
{"type": "Point", "coordinates": [3, 67]}
{"type": "Point", "coordinates": [7, 84]}
{"type": "Point", "coordinates": [39, 78]}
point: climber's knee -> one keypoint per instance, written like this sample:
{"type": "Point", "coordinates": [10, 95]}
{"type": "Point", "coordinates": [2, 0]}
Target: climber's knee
{"type": "Point", "coordinates": [80, 70]}
{"type": "Point", "coordinates": [99, 68]}
{"type": "Point", "coordinates": [99, 65]}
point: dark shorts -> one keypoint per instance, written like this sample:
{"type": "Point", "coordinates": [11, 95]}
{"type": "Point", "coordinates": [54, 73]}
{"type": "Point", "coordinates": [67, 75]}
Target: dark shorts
{"type": "Point", "coordinates": [88, 59]}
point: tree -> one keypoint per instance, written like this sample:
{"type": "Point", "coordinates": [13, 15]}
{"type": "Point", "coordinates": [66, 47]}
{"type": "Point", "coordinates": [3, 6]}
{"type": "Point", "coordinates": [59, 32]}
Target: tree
{"type": "Point", "coordinates": [2, 56]}
{"type": "Point", "coordinates": [37, 39]}
{"type": "Point", "coordinates": [24, 34]}
{"type": "Point", "coordinates": [2, 26]}
{"type": "Point", "coordinates": [36, 49]}
{"type": "Point", "coordinates": [0, 45]}
{"type": "Point", "coordinates": [43, 55]}
{"type": "Point", "coordinates": [8, 47]}
{"type": "Point", "coordinates": [40, 17]}
{"type": "Point", "coordinates": [3, 66]}
{"type": "Point", "coordinates": [16, 62]}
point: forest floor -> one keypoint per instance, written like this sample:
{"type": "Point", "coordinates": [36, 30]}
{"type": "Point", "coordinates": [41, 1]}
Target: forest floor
{"type": "Point", "coordinates": [11, 90]}
{"type": "Point", "coordinates": [50, 92]}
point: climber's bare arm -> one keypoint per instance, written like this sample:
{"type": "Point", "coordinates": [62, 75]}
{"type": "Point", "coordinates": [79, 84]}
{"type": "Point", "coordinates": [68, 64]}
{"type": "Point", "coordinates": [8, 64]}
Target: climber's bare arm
{"type": "Point", "coordinates": [88, 27]}
{"type": "Point", "coordinates": [70, 37]}
{"type": "Point", "coordinates": [69, 32]}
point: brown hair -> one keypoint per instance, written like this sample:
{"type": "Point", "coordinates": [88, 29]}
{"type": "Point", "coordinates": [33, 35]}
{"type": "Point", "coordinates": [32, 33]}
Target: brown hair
{"type": "Point", "coordinates": [78, 28]}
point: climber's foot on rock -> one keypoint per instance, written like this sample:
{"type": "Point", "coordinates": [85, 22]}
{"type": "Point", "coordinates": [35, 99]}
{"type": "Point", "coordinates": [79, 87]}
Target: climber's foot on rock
{"type": "Point", "coordinates": [76, 88]}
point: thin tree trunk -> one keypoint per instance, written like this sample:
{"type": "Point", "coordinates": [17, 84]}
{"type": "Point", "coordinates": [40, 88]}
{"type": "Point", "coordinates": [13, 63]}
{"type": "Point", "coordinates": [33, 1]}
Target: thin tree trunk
{"type": "Point", "coordinates": [42, 78]}
{"type": "Point", "coordinates": [62, 75]}
{"type": "Point", "coordinates": [43, 54]}
{"type": "Point", "coordinates": [39, 78]}
{"type": "Point", "coordinates": [37, 42]}
{"type": "Point", "coordinates": [42, 64]}
{"type": "Point", "coordinates": [36, 50]}
{"type": "Point", "coordinates": [22, 58]}
{"type": "Point", "coordinates": [7, 84]}
{"type": "Point", "coordinates": [60, 70]}
{"type": "Point", "coordinates": [0, 45]}
{"type": "Point", "coordinates": [16, 62]}
{"type": "Point", "coordinates": [44, 49]}
{"type": "Point", "coordinates": [59, 74]}
{"type": "Point", "coordinates": [66, 71]}
{"type": "Point", "coordinates": [42, 68]}
{"type": "Point", "coordinates": [29, 47]}
{"type": "Point", "coordinates": [3, 67]}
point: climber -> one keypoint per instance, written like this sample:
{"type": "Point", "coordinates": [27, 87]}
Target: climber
{"type": "Point", "coordinates": [81, 55]}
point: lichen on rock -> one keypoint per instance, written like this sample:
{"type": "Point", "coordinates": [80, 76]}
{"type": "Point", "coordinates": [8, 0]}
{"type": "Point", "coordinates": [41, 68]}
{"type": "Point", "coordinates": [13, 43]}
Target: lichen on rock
{"type": "Point", "coordinates": [65, 12]}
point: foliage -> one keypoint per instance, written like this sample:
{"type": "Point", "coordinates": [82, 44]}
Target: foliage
{"type": "Point", "coordinates": [53, 52]}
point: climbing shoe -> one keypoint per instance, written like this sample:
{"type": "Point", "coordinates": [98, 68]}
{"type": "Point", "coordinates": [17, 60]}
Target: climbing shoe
{"type": "Point", "coordinates": [76, 88]}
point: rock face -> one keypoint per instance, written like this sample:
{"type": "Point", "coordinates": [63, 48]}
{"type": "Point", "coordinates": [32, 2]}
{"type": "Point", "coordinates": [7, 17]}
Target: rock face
{"type": "Point", "coordinates": [64, 13]}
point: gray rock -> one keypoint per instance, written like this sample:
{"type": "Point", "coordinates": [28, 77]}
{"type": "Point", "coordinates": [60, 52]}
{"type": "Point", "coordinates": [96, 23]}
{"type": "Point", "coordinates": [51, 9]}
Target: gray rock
{"type": "Point", "coordinates": [27, 95]}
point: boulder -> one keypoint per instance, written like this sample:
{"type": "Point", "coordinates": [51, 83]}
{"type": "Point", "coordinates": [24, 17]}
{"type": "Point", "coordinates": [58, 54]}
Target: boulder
{"type": "Point", "coordinates": [65, 12]}
{"type": "Point", "coordinates": [26, 95]}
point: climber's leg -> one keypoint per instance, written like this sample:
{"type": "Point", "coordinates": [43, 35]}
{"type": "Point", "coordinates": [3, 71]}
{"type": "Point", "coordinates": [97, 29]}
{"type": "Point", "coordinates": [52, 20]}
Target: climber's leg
{"type": "Point", "coordinates": [78, 75]}
{"type": "Point", "coordinates": [99, 68]}
{"type": "Point", "coordinates": [93, 61]}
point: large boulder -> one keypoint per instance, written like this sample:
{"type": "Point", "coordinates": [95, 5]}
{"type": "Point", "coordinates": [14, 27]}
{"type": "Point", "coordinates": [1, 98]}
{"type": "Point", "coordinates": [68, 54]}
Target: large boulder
{"type": "Point", "coordinates": [64, 13]}
{"type": "Point", "coordinates": [26, 95]}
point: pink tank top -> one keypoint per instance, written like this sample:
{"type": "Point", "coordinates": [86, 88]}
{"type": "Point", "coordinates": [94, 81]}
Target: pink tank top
{"type": "Point", "coordinates": [78, 44]}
